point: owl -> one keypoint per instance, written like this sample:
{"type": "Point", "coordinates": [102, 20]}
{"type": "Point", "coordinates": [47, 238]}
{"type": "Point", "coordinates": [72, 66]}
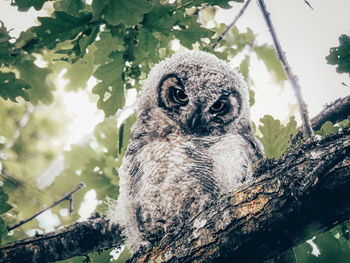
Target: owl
{"type": "Point", "coordinates": [191, 143]}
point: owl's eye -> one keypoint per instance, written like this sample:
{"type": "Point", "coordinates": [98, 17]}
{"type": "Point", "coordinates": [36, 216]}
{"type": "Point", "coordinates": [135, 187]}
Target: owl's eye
{"type": "Point", "coordinates": [178, 96]}
{"type": "Point", "coordinates": [219, 107]}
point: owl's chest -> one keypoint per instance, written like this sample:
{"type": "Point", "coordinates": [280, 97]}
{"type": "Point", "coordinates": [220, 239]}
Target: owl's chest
{"type": "Point", "coordinates": [172, 179]}
{"type": "Point", "coordinates": [164, 163]}
{"type": "Point", "coordinates": [208, 165]}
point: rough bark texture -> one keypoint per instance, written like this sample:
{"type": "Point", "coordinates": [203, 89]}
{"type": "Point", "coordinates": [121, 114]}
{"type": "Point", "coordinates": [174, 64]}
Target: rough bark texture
{"type": "Point", "coordinates": [307, 186]}
{"type": "Point", "coordinates": [337, 111]}
{"type": "Point", "coordinates": [75, 240]}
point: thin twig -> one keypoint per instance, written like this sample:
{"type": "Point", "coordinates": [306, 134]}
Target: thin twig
{"type": "Point", "coordinates": [307, 2]}
{"type": "Point", "coordinates": [223, 34]}
{"type": "Point", "coordinates": [66, 196]}
{"type": "Point", "coordinates": [293, 79]}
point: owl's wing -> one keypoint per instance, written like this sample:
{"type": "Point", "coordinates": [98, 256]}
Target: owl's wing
{"type": "Point", "coordinates": [258, 149]}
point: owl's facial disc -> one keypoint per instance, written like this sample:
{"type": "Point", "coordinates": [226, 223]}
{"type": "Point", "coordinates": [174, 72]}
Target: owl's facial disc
{"type": "Point", "coordinates": [195, 115]}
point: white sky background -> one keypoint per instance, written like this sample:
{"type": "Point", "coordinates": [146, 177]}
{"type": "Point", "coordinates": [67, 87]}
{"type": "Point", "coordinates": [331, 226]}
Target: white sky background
{"type": "Point", "coordinates": [306, 36]}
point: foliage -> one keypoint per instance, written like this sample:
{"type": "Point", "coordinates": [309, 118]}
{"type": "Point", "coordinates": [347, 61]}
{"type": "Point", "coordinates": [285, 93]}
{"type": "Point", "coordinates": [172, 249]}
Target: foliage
{"type": "Point", "coordinates": [276, 136]}
{"type": "Point", "coordinates": [273, 65]}
{"type": "Point", "coordinates": [4, 207]}
{"type": "Point", "coordinates": [328, 127]}
{"type": "Point", "coordinates": [25, 157]}
{"type": "Point", "coordinates": [14, 61]}
{"type": "Point", "coordinates": [340, 55]}
{"type": "Point", "coordinates": [331, 246]}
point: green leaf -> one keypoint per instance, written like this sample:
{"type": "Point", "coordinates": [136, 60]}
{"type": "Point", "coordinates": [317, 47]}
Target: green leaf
{"type": "Point", "coordinates": [24, 5]}
{"type": "Point", "coordinates": [105, 46]}
{"type": "Point", "coordinates": [239, 39]}
{"type": "Point", "coordinates": [191, 32]}
{"type": "Point", "coordinates": [221, 3]}
{"type": "Point", "coordinates": [60, 27]}
{"type": "Point", "coordinates": [161, 18]}
{"type": "Point", "coordinates": [84, 40]}
{"type": "Point", "coordinates": [111, 89]}
{"type": "Point", "coordinates": [146, 40]}
{"type": "Point", "coordinates": [327, 128]}
{"type": "Point", "coordinates": [276, 137]}
{"type": "Point", "coordinates": [128, 12]}
{"type": "Point", "coordinates": [71, 7]}
{"type": "Point", "coordinates": [106, 135]}
{"type": "Point", "coordinates": [26, 41]}
{"type": "Point", "coordinates": [244, 68]}
{"type": "Point", "coordinates": [124, 256]}
{"type": "Point", "coordinates": [112, 71]}
{"type": "Point", "coordinates": [79, 72]}
{"type": "Point", "coordinates": [340, 55]}
{"type": "Point", "coordinates": [41, 88]}
{"type": "Point", "coordinates": [11, 88]}
{"type": "Point", "coordinates": [111, 97]}
{"type": "Point", "coordinates": [124, 133]}
{"type": "Point", "coordinates": [268, 55]}
{"type": "Point", "coordinates": [286, 257]}
{"type": "Point", "coordinates": [4, 207]}
{"type": "Point", "coordinates": [98, 7]}
{"type": "Point", "coordinates": [6, 48]}
{"type": "Point", "coordinates": [345, 123]}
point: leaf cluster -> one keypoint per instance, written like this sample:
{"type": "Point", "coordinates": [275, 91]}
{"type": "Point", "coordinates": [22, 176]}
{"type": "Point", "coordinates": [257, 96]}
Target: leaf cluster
{"type": "Point", "coordinates": [126, 38]}
{"type": "Point", "coordinates": [4, 207]}
{"type": "Point", "coordinates": [340, 55]}
{"type": "Point", "coordinates": [19, 73]}
{"type": "Point", "coordinates": [276, 137]}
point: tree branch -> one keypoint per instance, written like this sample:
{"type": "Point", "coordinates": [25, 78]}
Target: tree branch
{"type": "Point", "coordinates": [75, 240]}
{"type": "Point", "coordinates": [223, 34]}
{"type": "Point", "coordinates": [66, 196]}
{"type": "Point", "coordinates": [293, 78]}
{"type": "Point", "coordinates": [268, 216]}
{"type": "Point", "coordinates": [335, 112]}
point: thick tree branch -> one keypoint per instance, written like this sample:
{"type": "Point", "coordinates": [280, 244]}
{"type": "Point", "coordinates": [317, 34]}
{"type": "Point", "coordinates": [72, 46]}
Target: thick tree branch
{"type": "Point", "coordinates": [335, 112]}
{"type": "Point", "coordinates": [75, 240]}
{"type": "Point", "coordinates": [260, 221]}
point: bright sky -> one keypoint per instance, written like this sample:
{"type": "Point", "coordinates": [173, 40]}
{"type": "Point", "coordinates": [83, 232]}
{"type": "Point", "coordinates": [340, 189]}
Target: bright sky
{"type": "Point", "coordinates": [306, 36]}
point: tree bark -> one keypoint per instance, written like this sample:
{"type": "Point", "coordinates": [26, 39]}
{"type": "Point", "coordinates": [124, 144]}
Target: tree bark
{"type": "Point", "coordinates": [75, 240]}
{"type": "Point", "coordinates": [336, 111]}
{"type": "Point", "coordinates": [306, 186]}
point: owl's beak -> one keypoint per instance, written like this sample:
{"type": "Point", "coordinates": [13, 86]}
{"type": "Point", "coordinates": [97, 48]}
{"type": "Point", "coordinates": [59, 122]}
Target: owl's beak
{"type": "Point", "coordinates": [195, 121]}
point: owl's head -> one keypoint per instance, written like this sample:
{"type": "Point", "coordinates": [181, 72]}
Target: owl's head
{"type": "Point", "coordinates": [195, 93]}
